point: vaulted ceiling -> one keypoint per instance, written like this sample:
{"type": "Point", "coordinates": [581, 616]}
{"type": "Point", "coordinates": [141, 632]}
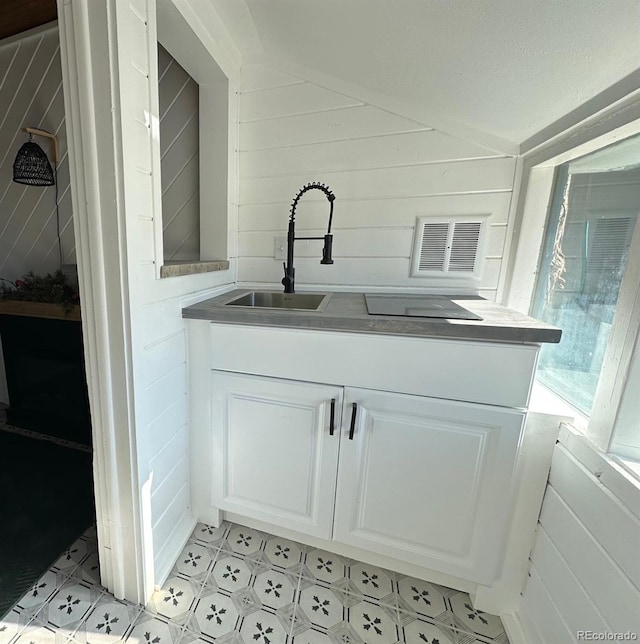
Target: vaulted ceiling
{"type": "Point", "coordinates": [509, 68]}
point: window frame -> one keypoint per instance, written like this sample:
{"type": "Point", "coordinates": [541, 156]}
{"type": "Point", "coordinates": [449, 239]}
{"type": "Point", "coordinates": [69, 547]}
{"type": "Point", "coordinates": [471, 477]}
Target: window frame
{"type": "Point", "coordinates": [217, 115]}
{"type": "Point", "coordinates": [612, 426]}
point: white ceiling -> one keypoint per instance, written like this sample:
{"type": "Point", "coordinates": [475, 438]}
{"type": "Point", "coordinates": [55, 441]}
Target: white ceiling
{"type": "Point", "coordinates": [505, 67]}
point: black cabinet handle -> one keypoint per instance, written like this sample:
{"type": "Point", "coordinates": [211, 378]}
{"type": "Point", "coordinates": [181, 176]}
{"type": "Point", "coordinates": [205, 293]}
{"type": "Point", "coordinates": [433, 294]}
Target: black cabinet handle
{"type": "Point", "coordinates": [354, 411]}
{"type": "Point", "coordinates": [332, 419]}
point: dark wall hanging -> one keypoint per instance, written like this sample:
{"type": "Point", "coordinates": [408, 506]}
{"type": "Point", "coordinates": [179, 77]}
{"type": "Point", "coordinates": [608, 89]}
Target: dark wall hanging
{"type": "Point", "coordinates": [32, 166]}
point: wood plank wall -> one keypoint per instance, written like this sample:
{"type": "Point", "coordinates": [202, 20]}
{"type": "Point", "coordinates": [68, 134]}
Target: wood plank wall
{"type": "Point", "coordinates": [157, 328]}
{"type": "Point", "coordinates": [585, 569]}
{"type": "Point", "coordinates": [31, 95]}
{"type": "Point", "coordinates": [180, 167]}
{"type": "Point", "coordinates": [385, 170]}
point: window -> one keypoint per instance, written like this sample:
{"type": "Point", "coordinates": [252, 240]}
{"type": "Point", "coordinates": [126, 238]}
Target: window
{"type": "Point", "coordinates": [586, 265]}
{"type": "Point", "coordinates": [586, 248]}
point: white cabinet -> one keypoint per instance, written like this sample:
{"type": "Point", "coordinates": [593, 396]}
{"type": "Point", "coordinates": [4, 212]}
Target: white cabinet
{"type": "Point", "coordinates": [427, 484]}
{"type": "Point", "coordinates": [427, 481]}
{"type": "Point", "coordinates": [421, 480]}
{"type": "Point", "coordinates": [274, 450]}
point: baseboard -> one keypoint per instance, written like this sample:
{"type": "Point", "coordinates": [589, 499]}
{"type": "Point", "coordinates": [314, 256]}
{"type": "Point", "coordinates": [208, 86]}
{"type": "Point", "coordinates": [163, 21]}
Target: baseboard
{"type": "Point", "coordinates": [171, 550]}
{"type": "Point", "coordinates": [513, 629]}
{"type": "Point", "coordinates": [351, 552]}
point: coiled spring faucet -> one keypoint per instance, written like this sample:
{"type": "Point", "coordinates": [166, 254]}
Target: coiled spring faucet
{"type": "Point", "coordinates": [289, 271]}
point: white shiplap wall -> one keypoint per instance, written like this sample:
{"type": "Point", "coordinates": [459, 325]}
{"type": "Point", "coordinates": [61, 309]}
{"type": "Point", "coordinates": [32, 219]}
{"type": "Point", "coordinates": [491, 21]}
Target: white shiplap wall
{"type": "Point", "coordinates": [180, 166]}
{"type": "Point", "coordinates": [157, 328]}
{"type": "Point", "coordinates": [585, 569]}
{"type": "Point", "coordinates": [384, 169]}
{"type": "Point", "coordinates": [31, 95]}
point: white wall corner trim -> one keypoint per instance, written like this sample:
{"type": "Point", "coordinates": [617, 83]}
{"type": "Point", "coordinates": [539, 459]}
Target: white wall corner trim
{"type": "Point", "coordinates": [389, 104]}
{"type": "Point", "coordinates": [240, 24]}
{"type": "Point", "coordinates": [509, 247]}
{"type": "Point", "coordinates": [514, 629]}
{"type": "Point", "coordinates": [210, 29]}
{"type": "Point", "coordinates": [541, 432]}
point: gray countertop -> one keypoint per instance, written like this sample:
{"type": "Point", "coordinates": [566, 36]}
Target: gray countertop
{"type": "Point", "coordinates": [348, 312]}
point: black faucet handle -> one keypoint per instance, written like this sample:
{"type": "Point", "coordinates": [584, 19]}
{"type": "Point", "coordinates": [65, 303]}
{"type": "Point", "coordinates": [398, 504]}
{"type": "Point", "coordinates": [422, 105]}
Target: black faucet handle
{"type": "Point", "coordinates": [288, 280]}
{"type": "Point", "coordinates": [327, 249]}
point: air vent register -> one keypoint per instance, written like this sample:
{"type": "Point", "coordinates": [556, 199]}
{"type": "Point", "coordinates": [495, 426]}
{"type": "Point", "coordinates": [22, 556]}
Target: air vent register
{"type": "Point", "coordinates": [447, 246]}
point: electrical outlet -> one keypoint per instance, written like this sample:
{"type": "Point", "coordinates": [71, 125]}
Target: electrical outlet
{"type": "Point", "coordinates": [280, 248]}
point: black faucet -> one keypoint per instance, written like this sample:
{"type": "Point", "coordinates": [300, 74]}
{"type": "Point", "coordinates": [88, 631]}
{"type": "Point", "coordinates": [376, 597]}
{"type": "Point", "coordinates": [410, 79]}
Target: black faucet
{"type": "Point", "coordinates": [289, 271]}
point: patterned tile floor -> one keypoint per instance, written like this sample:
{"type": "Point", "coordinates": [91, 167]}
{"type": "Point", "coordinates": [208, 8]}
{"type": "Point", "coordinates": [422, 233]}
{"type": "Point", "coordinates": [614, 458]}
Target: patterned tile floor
{"type": "Point", "coordinates": [234, 585]}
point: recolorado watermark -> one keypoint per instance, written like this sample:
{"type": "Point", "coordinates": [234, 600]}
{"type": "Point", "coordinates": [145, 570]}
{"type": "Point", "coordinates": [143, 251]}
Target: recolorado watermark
{"type": "Point", "coordinates": [594, 636]}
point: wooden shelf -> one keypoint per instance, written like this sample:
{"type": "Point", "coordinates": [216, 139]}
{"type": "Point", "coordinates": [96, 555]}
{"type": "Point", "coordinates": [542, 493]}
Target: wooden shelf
{"type": "Point", "coordinates": [39, 310]}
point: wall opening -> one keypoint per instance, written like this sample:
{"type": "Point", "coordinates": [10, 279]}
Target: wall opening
{"type": "Point", "coordinates": [194, 145]}
{"type": "Point", "coordinates": [179, 159]}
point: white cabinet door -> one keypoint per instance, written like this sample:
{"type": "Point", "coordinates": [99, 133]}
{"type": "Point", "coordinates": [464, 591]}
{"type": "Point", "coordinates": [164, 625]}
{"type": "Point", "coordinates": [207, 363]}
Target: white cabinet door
{"type": "Point", "coordinates": [427, 481]}
{"type": "Point", "coordinates": [275, 458]}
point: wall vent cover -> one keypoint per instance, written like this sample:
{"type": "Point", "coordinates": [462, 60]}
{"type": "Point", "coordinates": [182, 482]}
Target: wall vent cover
{"type": "Point", "coordinates": [447, 246]}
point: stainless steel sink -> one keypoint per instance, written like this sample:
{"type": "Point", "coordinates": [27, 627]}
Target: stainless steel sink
{"type": "Point", "coordinates": [279, 300]}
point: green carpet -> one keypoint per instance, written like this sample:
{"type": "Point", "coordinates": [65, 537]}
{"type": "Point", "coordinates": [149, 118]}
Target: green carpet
{"type": "Point", "coordinates": [46, 502]}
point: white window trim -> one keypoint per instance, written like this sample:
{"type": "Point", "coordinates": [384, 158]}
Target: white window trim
{"type": "Point", "coordinates": [611, 417]}
{"type": "Point", "coordinates": [217, 131]}
{"type": "Point", "coordinates": [615, 415]}
{"type": "Point", "coordinates": [622, 479]}
{"type": "Point", "coordinates": [545, 401]}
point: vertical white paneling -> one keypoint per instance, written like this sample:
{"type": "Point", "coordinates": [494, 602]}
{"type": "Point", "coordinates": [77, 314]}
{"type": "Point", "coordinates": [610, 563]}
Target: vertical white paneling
{"type": "Point", "coordinates": [584, 573]}
{"type": "Point", "coordinates": [31, 95]}
{"type": "Point", "coordinates": [385, 171]}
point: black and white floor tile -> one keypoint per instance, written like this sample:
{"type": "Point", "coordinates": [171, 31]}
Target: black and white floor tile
{"type": "Point", "coordinates": [236, 585]}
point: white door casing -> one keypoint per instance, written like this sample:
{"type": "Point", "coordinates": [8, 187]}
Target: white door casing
{"type": "Point", "coordinates": [87, 42]}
